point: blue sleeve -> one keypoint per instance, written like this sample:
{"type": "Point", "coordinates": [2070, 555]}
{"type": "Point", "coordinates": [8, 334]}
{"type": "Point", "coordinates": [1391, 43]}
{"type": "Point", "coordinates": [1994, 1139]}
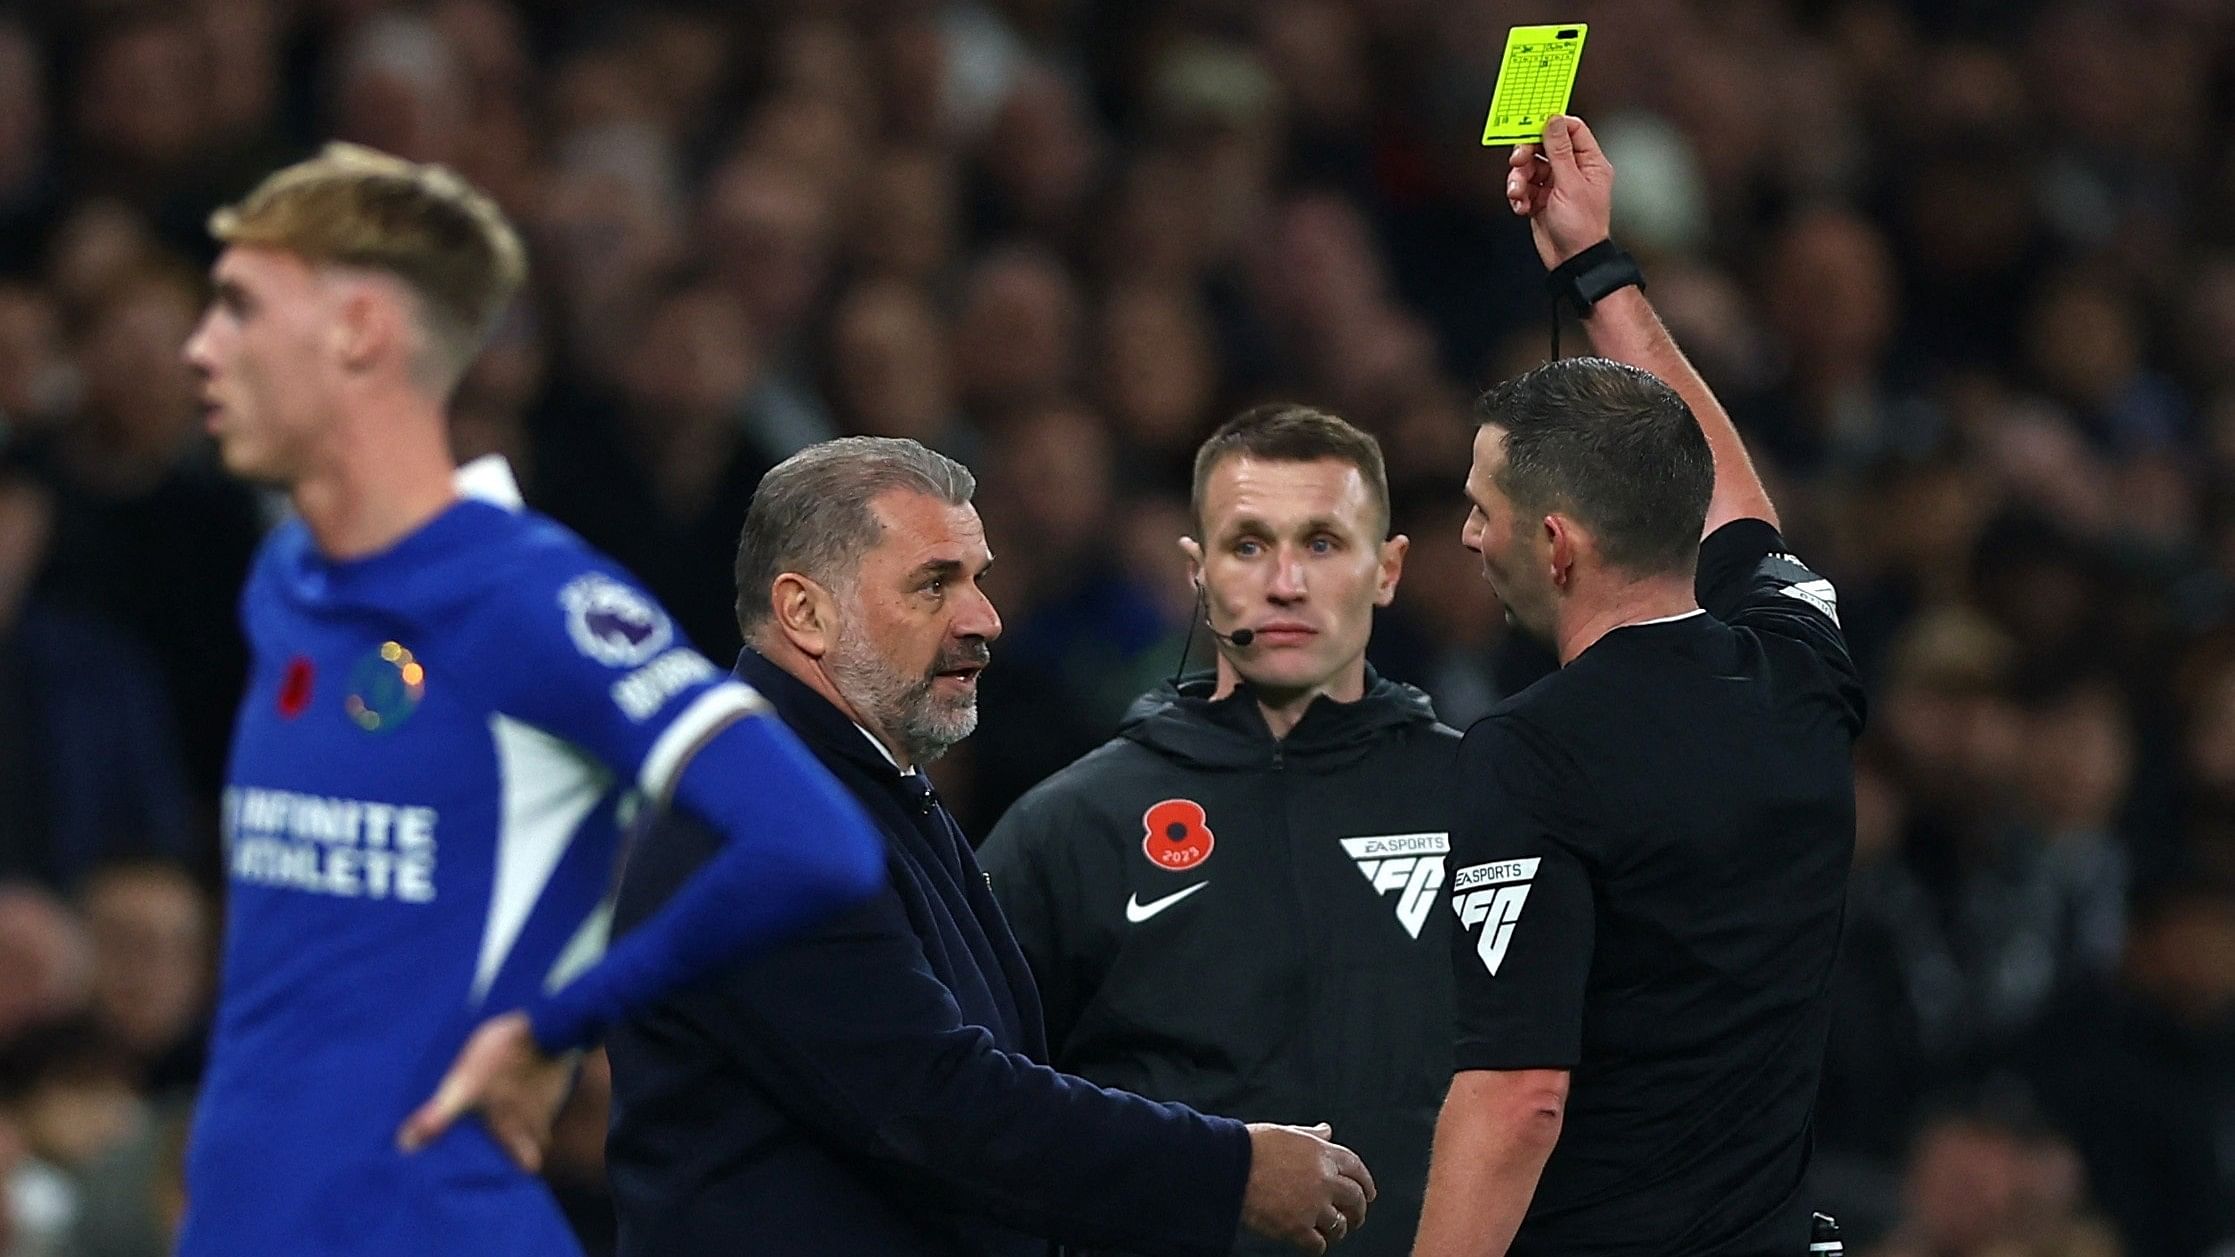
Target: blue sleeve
{"type": "Point", "coordinates": [586, 656]}
{"type": "Point", "coordinates": [583, 654]}
{"type": "Point", "coordinates": [796, 848]}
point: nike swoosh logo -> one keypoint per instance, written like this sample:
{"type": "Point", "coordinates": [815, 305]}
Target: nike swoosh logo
{"type": "Point", "coordinates": [1137, 912]}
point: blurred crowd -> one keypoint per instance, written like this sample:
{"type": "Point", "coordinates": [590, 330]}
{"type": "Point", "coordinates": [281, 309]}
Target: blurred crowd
{"type": "Point", "coordinates": [1963, 269]}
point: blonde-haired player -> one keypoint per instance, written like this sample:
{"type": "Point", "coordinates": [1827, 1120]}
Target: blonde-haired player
{"type": "Point", "coordinates": [449, 698]}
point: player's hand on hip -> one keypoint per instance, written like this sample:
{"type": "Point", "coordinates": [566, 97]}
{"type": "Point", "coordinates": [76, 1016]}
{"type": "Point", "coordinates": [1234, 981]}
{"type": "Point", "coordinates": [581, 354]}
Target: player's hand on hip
{"type": "Point", "coordinates": [505, 1077]}
{"type": "Point", "coordinates": [1304, 1190]}
{"type": "Point", "coordinates": [1564, 187]}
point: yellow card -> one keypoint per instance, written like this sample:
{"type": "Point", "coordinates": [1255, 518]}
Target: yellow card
{"type": "Point", "coordinates": [1534, 81]}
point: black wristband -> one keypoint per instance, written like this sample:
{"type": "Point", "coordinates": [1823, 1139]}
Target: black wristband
{"type": "Point", "coordinates": [1585, 279]}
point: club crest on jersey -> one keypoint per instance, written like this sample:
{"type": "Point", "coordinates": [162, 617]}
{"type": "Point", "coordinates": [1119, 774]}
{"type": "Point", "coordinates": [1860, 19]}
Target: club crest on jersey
{"type": "Point", "coordinates": [612, 623]}
{"type": "Point", "coordinates": [1410, 864]}
{"type": "Point", "coordinates": [385, 688]}
{"type": "Point", "coordinates": [1176, 836]}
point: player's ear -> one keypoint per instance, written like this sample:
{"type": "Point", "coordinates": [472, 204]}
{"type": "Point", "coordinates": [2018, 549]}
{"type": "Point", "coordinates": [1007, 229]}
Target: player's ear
{"type": "Point", "coordinates": [1390, 569]}
{"type": "Point", "coordinates": [357, 332]}
{"type": "Point", "coordinates": [370, 324]}
{"type": "Point", "coordinates": [805, 613]}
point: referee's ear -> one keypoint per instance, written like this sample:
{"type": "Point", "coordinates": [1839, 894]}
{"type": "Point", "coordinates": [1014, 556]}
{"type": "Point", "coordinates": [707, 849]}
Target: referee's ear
{"type": "Point", "coordinates": [1390, 569]}
{"type": "Point", "coordinates": [1565, 543]}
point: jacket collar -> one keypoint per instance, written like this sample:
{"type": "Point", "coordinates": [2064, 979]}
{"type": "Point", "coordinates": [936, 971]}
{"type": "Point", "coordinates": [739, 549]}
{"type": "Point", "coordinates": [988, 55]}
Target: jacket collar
{"type": "Point", "coordinates": [1230, 732]}
{"type": "Point", "coordinates": [829, 732]}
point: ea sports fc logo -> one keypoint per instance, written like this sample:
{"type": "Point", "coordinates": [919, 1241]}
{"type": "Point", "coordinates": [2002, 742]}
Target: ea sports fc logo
{"type": "Point", "coordinates": [1175, 836]}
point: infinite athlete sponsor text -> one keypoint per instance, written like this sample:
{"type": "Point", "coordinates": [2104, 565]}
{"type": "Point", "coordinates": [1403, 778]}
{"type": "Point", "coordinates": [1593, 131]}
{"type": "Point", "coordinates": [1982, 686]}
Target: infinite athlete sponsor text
{"type": "Point", "coordinates": [349, 848]}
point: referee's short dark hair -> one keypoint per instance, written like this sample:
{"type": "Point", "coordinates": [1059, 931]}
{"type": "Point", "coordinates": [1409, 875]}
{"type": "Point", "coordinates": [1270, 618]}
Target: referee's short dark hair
{"type": "Point", "coordinates": [1613, 447]}
{"type": "Point", "coordinates": [1286, 432]}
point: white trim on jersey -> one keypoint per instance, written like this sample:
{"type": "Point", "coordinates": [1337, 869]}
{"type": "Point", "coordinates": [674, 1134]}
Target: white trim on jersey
{"type": "Point", "coordinates": [548, 787]}
{"type": "Point", "coordinates": [706, 715]}
{"type": "Point", "coordinates": [583, 950]}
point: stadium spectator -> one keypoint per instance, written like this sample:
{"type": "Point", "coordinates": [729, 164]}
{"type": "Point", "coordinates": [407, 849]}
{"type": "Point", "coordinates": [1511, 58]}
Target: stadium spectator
{"type": "Point", "coordinates": [90, 764]}
{"type": "Point", "coordinates": [1984, 1184]}
{"type": "Point", "coordinates": [44, 949]}
{"type": "Point", "coordinates": [152, 935]}
{"type": "Point", "coordinates": [2162, 1034]}
{"type": "Point", "coordinates": [146, 533]}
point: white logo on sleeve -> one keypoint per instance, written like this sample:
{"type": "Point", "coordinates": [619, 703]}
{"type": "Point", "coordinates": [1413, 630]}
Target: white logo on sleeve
{"type": "Point", "coordinates": [1491, 896]}
{"type": "Point", "coordinates": [643, 692]}
{"type": "Point", "coordinates": [612, 623]}
{"type": "Point", "coordinates": [1411, 864]}
{"type": "Point", "coordinates": [1805, 586]}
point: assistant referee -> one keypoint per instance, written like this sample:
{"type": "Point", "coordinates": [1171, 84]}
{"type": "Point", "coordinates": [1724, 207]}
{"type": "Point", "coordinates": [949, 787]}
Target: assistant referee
{"type": "Point", "coordinates": [1651, 863]}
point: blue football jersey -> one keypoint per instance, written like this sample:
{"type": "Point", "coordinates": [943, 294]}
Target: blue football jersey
{"type": "Point", "coordinates": [430, 774]}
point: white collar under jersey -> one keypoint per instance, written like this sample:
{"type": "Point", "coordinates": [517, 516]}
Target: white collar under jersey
{"type": "Point", "coordinates": [885, 751]}
{"type": "Point", "coordinates": [1667, 619]}
{"type": "Point", "coordinates": [489, 479]}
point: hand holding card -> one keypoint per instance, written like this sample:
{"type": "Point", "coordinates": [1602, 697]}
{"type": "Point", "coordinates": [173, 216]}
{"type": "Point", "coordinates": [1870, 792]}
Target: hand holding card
{"type": "Point", "coordinates": [1534, 81]}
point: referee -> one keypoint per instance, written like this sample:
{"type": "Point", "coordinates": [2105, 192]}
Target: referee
{"type": "Point", "coordinates": [1651, 860]}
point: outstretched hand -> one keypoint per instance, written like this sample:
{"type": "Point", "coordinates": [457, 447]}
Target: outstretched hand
{"type": "Point", "coordinates": [1304, 1190]}
{"type": "Point", "coordinates": [505, 1077]}
{"type": "Point", "coordinates": [1564, 187]}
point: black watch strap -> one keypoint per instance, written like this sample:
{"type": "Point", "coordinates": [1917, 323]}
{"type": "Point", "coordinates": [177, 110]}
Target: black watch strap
{"type": "Point", "coordinates": [1585, 279]}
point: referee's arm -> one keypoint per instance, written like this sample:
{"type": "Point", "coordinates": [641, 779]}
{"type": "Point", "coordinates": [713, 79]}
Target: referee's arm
{"type": "Point", "coordinates": [1497, 1128]}
{"type": "Point", "coordinates": [1521, 958]}
{"type": "Point", "coordinates": [1568, 198]}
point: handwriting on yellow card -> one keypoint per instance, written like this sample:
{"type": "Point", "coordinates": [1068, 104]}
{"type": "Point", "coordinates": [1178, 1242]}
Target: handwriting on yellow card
{"type": "Point", "coordinates": [1534, 81]}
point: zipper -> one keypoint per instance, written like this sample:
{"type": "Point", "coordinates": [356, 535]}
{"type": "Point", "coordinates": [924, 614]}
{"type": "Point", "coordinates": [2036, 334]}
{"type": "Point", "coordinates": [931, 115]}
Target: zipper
{"type": "Point", "coordinates": [1303, 927]}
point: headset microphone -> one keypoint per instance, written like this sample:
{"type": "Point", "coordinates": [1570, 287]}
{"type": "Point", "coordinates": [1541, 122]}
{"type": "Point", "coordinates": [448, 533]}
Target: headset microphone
{"type": "Point", "coordinates": [1239, 639]}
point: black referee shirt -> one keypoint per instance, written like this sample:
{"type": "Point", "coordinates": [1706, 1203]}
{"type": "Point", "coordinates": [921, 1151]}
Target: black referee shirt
{"type": "Point", "coordinates": [1649, 874]}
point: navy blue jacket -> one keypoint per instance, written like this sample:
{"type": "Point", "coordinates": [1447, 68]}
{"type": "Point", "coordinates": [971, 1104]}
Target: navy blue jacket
{"type": "Point", "coordinates": [877, 1086]}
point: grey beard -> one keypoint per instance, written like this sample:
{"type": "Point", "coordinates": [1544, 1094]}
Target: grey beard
{"type": "Point", "coordinates": [909, 711]}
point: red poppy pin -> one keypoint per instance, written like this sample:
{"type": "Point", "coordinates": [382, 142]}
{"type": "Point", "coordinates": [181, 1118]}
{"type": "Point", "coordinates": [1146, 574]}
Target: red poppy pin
{"type": "Point", "coordinates": [1175, 835]}
{"type": "Point", "coordinates": [294, 687]}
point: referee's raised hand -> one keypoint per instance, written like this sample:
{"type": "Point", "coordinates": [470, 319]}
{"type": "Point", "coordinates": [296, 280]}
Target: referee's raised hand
{"type": "Point", "coordinates": [1303, 1190]}
{"type": "Point", "coordinates": [1564, 187]}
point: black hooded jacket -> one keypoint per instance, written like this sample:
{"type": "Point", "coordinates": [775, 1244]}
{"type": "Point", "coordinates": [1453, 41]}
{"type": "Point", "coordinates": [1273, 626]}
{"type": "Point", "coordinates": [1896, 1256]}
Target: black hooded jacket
{"type": "Point", "coordinates": [1251, 926]}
